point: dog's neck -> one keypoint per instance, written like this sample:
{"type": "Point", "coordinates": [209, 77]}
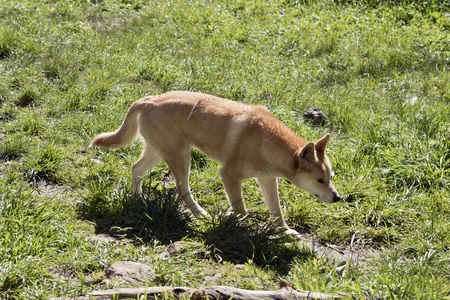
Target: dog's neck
{"type": "Point", "coordinates": [284, 159]}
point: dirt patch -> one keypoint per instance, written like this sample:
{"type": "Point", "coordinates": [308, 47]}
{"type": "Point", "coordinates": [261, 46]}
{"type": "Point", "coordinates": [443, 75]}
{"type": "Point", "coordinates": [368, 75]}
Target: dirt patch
{"type": "Point", "coordinates": [62, 273]}
{"type": "Point", "coordinates": [112, 237]}
{"type": "Point", "coordinates": [358, 253]}
{"type": "Point", "coordinates": [106, 238]}
{"type": "Point", "coordinates": [47, 190]}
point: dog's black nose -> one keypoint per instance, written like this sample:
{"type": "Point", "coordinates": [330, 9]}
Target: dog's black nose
{"type": "Point", "coordinates": [336, 198]}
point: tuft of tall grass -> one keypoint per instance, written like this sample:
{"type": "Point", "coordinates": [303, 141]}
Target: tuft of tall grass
{"type": "Point", "coordinates": [29, 97]}
{"type": "Point", "coordinates": [8, 43]}
{"type": "Point", "coordinates": [156, 215]}
{"type": "Point", "coordinates": [13, 146]}
{"type": "Point", "coordinates": [45, 165]}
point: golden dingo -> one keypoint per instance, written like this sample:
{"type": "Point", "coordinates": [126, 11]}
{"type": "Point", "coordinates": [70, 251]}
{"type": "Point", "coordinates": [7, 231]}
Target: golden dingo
{"type": "Point", "coordinates": [248, 140]}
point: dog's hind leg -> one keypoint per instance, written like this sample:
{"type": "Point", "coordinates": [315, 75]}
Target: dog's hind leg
{"type": "Point", "coordinates": [179, 162]}
{"type": "Point", "coordinates": [269, 189]}
{"type": "Point", "coordinates": [148, 159]}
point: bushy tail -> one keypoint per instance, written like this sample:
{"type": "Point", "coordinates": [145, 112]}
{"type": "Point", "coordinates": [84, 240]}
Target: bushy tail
{"type": "Point", "coordinates": [125, 135]}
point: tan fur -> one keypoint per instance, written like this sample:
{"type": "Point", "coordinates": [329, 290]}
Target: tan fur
{"type": "Point", "coordinates": [248, 140]}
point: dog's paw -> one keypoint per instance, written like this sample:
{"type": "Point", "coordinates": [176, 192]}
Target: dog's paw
{"type": "Point", "coordinates": [200, 213]}
{"type": "Point", "coordinates": [230, 213]}
{"type": "Point", "coordinates": [293, 233]}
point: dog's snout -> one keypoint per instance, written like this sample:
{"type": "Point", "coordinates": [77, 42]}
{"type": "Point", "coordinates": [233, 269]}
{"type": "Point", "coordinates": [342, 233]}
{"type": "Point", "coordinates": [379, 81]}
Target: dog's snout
{"type": "Point", "coordinates": [336, 198]}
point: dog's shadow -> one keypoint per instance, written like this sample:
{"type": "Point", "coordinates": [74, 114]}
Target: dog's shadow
{"type": "Point", "coordinates": [251, 238]}
{"type": "Point", "coordinates": [160, 215]}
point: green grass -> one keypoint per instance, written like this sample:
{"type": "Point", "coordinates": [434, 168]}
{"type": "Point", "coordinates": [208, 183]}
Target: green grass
{"type": "Point", "coordinates": [70, 69]}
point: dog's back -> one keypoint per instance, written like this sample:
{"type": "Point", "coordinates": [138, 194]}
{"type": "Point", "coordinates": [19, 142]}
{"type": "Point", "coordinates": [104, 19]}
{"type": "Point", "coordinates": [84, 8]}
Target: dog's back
{"type": "Point", "coordinates": [221, 128]}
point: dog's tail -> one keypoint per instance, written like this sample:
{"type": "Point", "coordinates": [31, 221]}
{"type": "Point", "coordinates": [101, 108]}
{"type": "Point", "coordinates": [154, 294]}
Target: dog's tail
{"type": "Point", "coordinates": [126, 134]}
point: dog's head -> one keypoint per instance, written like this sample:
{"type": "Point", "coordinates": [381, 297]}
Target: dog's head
{"type": "Point", "coordinates": [314, 171]}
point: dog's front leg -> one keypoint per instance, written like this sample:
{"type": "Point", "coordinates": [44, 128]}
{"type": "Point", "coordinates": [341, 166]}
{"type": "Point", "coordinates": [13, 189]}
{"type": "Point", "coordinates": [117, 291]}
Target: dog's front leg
{"type": "Point", "coordinates": [233, 190]}
{"type": "Point", "coordinates": [269, 189]}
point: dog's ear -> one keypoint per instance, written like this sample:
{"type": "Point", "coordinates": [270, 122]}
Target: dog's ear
{"type": "Point", "coordinates": [322, 143]}
{"type": "Point", "coordinates": [306, 154]}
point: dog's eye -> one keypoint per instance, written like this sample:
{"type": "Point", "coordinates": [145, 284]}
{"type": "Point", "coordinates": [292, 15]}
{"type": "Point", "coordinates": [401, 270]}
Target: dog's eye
{"type": "Point", "coordinates": [320, 181]}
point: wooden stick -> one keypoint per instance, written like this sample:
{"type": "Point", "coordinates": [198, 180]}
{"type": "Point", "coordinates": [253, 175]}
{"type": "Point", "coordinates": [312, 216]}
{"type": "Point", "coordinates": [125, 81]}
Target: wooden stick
{"type": "Point", "coordinates": [210, 292]}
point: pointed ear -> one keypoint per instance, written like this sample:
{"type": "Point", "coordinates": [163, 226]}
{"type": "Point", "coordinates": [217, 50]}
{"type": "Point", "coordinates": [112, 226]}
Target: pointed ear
{"type": "Point", "coordinates": [322, 142]}
{"type": "Point", "coordinates": [306, 153]}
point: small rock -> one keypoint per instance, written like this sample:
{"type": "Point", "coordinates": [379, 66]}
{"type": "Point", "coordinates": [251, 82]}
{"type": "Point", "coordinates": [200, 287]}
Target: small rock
{"type": "Point", "coordinates": [172, 249]}
{"type": "Point", "coordinates": [286, 285]}
{"type": "Point", "coordinates": [315, 116]}
{"type": "Point", "coordinates": [211, 278]}
{"type": "Point", "coordinates": [199, 295]}
{"type": "Point", "coordinates": [129, 271]}
{"type": "Point", "coordinates": [175, 248]}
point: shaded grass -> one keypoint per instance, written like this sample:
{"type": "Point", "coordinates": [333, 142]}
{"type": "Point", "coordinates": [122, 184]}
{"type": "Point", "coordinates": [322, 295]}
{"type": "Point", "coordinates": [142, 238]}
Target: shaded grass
{"type": "Point", "coordinates": [158, 215]}
{"type": "Point", "coordinates": [242, 239]}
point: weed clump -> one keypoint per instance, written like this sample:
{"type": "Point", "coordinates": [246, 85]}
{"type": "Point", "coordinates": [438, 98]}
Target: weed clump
{"type": "Point", "coordinates": [45, 165]}
{"type": "Point", "coordinates": [13, 147]}
{"type": "Point", "coordinates": [7, 43]}
{"type": "Point", "coordinates": [27, 98]}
